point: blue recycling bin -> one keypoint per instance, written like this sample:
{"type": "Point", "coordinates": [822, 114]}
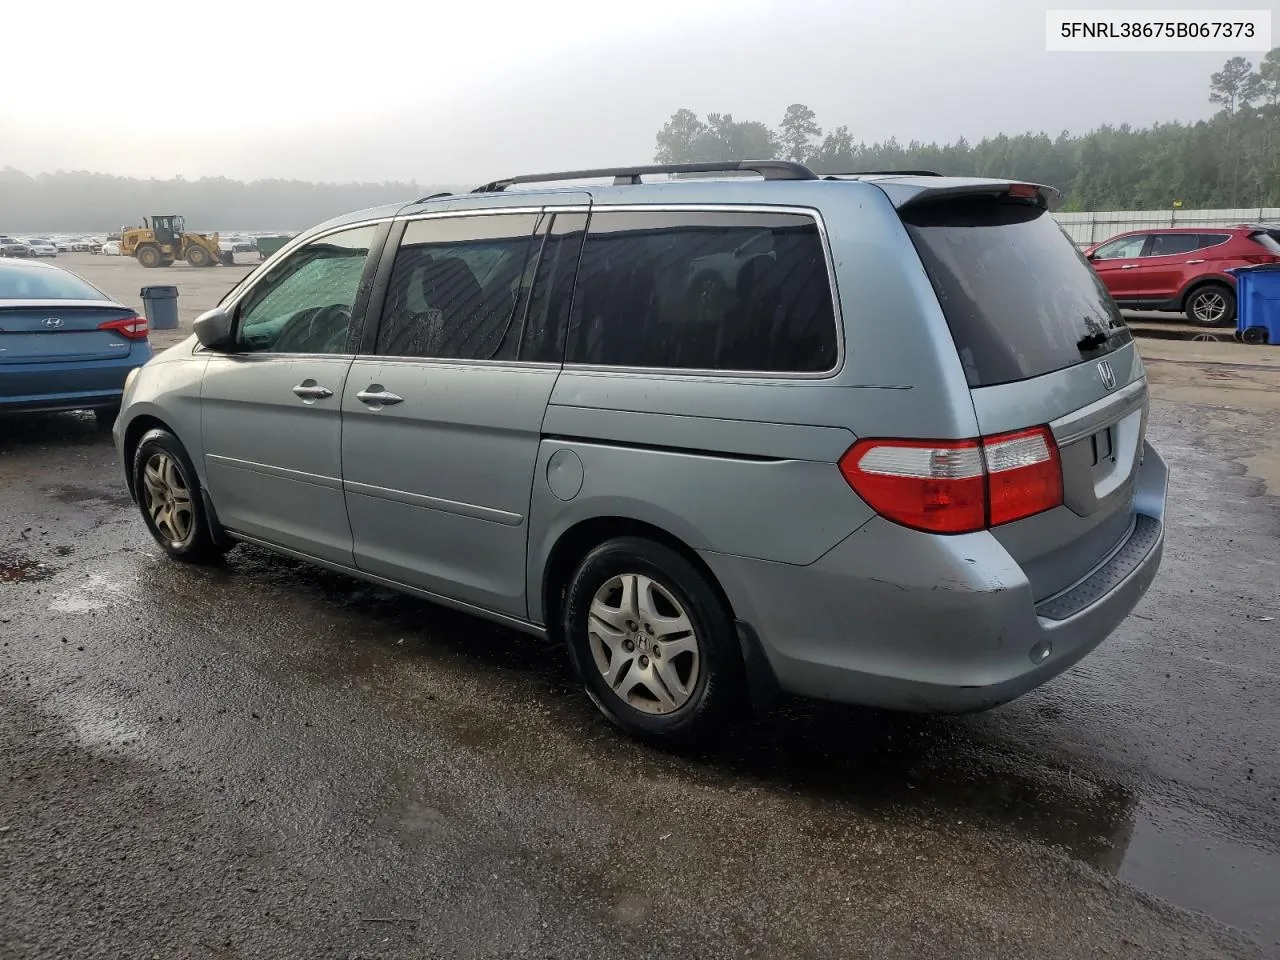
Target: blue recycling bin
{"type": "Point", "coordinates": [160, 305]}
{"type": "Point", "coordinates": [1258, 303]}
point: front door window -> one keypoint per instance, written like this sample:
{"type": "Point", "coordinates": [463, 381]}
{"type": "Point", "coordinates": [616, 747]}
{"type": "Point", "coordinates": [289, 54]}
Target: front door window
{"type": "Point", "coordinates": [305, 305]}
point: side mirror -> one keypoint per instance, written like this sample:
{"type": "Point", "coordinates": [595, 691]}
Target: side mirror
{"type": "Point", "coordinates": [213, 329]}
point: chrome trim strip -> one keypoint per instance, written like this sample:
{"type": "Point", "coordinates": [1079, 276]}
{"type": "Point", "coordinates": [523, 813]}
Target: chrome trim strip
{"type": "Point", "coordinates": [377, 358]}
{"type": "Point", "coordinates": [262, 356]}
{"type": "Point", "coordinates": [280, 473]}
{"type": "Point", "coordinates": [473, 212]}
{"type": "Point", "coordinates": [773, 376]}
{"type": "Point", "coordinates": [471, 510]}
{"type": "Point", "coordinates": [1101, 413]}
{"type": "Point", "coordinates": [524, 626]}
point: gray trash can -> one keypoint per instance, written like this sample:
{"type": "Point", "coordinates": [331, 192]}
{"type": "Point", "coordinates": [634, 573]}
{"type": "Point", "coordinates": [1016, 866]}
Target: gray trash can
{"type": "Point", "coordinates": [160, 304]}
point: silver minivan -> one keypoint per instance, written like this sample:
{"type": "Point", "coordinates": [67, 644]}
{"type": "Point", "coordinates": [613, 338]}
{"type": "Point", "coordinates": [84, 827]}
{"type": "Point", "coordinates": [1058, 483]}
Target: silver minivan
{"type": "Point", "coordinates": [876, 438]}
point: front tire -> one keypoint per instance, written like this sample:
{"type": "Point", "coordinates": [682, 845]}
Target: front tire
{"type": "Point", "coordinates": [199, 257]}
{"type": "Point", "coordinates": [653, 642]}
{"type": "Point", "coordinates": [167, 490]}
{"type": "Point", "coordinates": [1213, 305]}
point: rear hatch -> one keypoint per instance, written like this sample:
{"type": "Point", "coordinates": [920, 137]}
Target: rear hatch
{"type": "Point", "coordinates": [1042, 345]}
{"type": "Point", "coordinates": [50, 331]}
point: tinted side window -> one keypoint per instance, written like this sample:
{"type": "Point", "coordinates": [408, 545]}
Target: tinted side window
{"type": "Point", "coordinates": [1212, 240]}
{"type": "Point", "coordinates": [304, 305]}
{"type": "Point", "coordinates": [1171, 244]}
{"type": "Point", "coordinates": [706, 291]}
{"type": "Point", "coordinates": [548, 317]}
{"type": "Point", "coordinates": [457, 288]}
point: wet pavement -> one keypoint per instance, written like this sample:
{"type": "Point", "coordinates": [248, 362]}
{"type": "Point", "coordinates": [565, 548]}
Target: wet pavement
{"type": "Point", "coordinates": [269, 760]}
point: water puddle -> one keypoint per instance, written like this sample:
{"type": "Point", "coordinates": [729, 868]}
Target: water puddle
{"type": "Point", "coordinates": [95, 592]}
{"type": "Point", "coordinates": [102, 731]}
{"type": "Point", "coordinates": [1184, 858]}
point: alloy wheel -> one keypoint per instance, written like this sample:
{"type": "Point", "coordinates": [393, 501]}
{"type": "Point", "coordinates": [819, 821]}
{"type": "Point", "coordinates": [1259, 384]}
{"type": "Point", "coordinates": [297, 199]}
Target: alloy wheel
{"type": "Point", "coordinates": [1209, 307]}
{"type": "Point", "coordinates": [168, 499]}
{"type": "Point", "coordinates": [644, 644]}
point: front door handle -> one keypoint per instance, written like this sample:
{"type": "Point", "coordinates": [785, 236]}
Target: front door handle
{"type": "Point", "coordinates": [310, 391]}
{"type": "Point", "coordinates": [1128, 266]}
{"type": "Point", "coordinates": [1195, 261]}
{"type": "Point", "coordinates": [376, 397]}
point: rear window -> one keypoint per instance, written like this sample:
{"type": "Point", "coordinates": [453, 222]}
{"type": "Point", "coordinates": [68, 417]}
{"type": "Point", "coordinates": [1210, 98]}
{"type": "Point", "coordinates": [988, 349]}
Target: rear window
{"type": "Point", "coordinates": [1172, 244]}
{"type": "Point", "coordinates": [1020, 299]}
{"type": "Point", "coordinates": [1267, 241]}
{"type": "Point", "coordinates": [25, 283]}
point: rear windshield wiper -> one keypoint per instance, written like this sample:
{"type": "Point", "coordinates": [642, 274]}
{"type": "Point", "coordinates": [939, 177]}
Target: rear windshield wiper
{"type": "Point", "coordinates": [1092, 342]}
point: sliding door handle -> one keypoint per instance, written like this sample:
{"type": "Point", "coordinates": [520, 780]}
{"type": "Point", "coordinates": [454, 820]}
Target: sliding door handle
{"type": "Point", "coordinates": [375, 396]}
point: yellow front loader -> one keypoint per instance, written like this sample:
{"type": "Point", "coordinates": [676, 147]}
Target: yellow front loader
{"type": "Point", "coordinates": [162, 240]}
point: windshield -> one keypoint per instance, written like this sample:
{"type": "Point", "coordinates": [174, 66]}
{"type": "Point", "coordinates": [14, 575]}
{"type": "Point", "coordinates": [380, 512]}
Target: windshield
{"type": "Point", "coordinates": [1020, 299]}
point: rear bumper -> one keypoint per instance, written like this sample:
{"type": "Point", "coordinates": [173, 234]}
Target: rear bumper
{"type": "Point", "coordinates": [904, 620]}
{"type": "Point", "coordinates": [69, 385]}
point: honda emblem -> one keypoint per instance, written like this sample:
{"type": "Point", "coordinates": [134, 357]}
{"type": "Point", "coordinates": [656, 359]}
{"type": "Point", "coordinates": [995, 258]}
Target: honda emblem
{"type": "Point", "coordinates": [51, 323]}
{"type": "Point", "coordinates": [1107, 374]}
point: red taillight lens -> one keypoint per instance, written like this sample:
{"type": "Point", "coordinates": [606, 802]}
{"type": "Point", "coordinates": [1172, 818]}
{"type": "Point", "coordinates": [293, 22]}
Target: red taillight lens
{"type": "Point", "coordinates": [131, 328]}
{"type": "Point", "coordinates": [1024, 474]}
{"type": "Point", "coordinates": [957, 486]}
{"type": "Point", "coordinates": [1261, 258]}
{"type": "Point", "coordinates": [938, 486]}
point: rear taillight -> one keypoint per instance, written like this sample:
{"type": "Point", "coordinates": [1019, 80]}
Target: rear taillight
{"type": "Point", "coordinates": [957, 486]}
{"type": "Point", "coordinates": [131, 328]}
{"type": "Point", "coordinates": [1261, 258]}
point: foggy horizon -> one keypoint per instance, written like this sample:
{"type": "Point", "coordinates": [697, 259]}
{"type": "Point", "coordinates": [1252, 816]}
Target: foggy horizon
{"type": "Point", "coordinates": [445, 102]}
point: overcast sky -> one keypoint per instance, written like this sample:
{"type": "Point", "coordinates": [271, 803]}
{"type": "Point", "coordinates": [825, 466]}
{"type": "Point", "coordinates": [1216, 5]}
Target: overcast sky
{"type": "Point", "coordinates": [465, 92]}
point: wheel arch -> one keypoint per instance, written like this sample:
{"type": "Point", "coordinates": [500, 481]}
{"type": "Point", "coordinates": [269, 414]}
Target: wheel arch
{"type": "Point", "coordinates": [1211, 279]}
{"type": "Point", "coordinates": [587, 534]}
{"type": "Point", "coordinates": [136, 429]}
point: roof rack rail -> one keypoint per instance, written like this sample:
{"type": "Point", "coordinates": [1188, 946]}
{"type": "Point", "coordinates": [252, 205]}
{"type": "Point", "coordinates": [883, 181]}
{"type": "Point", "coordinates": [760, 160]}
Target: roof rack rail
{"type": "Point", "coordinates": [434, 196]}
{"type": "Point", "coordinates": [622, 176]}
{"type": "Point", "coordinates": [884, 173]}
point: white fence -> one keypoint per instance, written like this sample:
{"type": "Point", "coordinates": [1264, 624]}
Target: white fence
{"type": "Point", "coordinates": [1087, 228]}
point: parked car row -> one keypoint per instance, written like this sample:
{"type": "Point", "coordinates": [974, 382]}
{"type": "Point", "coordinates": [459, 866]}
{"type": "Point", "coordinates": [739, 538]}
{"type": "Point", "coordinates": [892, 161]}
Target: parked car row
{"type": "Point", "coordinates": [1183, 269]}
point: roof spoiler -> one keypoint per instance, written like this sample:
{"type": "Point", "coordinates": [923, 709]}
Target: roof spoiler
{"type": "Point", "coordinates": [911, 194]}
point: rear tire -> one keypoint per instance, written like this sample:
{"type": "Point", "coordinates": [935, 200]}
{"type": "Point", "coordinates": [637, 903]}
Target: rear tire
{"type": "Point", "coordinates": [199, 257]}
{"type": "Point", "coordinates": [653, 643]}
{"type": "Point", "coordinates": [167, 490]}
{"type": "Point", "coordinates": [1212, 305]}
{"type": "Point", "coordinates": [149, 257]}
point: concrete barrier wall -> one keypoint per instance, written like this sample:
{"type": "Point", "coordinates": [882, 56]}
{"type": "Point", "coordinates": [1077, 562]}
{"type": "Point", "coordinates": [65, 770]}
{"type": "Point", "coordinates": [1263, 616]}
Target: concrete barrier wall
{"type": "Point", "coordinates": [1087, 228]}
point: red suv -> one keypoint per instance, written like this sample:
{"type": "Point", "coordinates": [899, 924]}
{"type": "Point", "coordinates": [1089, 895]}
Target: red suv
{"type": "Point", "coordinates": [1181, 268]}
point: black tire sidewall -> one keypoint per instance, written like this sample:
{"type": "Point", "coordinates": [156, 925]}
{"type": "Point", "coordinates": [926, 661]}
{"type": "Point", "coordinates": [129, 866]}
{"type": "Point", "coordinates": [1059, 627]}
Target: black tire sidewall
{"type": "Point", "coordinates": [201, 546]}
{"type": "Point", "coordinates": [717, 693]}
